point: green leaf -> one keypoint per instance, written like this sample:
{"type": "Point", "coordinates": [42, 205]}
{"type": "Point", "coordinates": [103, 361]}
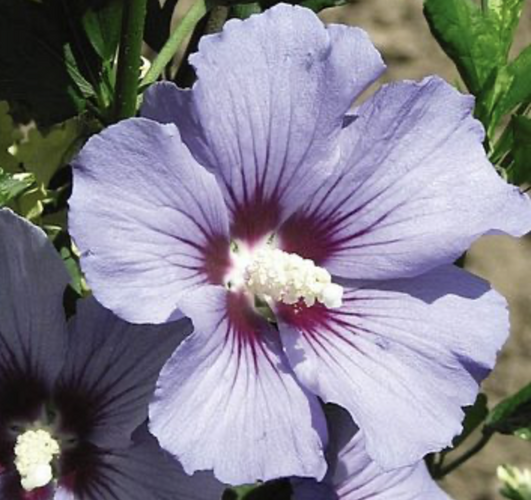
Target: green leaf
{"type": "Point", "coordinates": [13, 185]}
{"type": "Point", "coordinates": [524, 433]}
{"type": "Point", "coordinates": [513, 85]}
{"type": "Point", "coordinates": [474, 416]}
{"type": "Point", "coordinates": [72, 265]}
{"type": "Point", "coordinates": [33, 65]}
{"type": "Point", "coordinates": [44, 154]}
{"type": "Point", "coordinates": [102, 25]}
{"type": "Point", "coordinates": [506, 14]}
{"type": "Point", "coordinates": [30, 204]}
{"type": "Point", "coordinates": [469, 37]}
{"type": "Point", "coordinates": [512, 414]}
{"type": "Point", "coordinates": [520, 170]}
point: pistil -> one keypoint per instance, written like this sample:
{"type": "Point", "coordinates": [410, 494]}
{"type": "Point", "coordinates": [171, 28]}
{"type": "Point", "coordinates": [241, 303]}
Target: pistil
{"type": "Point", "coordinates": [34, 452]}
{"type": "Point", "coordinates": [274, 275]}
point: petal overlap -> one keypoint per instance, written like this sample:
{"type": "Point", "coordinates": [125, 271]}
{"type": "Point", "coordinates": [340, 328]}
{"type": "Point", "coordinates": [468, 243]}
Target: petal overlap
{"type": "Point", "coordinates": [267, 109]}
{"type": "Point", "coordinates": [401, 356]}
{"type": "Point", "coordinates": [414, 192]}
{"type": "Point", "coordinates": [110, 373]}
{"type": "Point", "coordinates": [228, 401]}
{"type": "Point", "coordinates": [151, 222]}
{"type": "Point", "coordinates": [354, 476]}
{"type": "Point", "coordinates": [142, 471]}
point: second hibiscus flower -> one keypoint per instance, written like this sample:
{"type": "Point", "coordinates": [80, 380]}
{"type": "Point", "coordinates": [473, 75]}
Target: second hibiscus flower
{"type": "Point", "coordinates": [312, 248]}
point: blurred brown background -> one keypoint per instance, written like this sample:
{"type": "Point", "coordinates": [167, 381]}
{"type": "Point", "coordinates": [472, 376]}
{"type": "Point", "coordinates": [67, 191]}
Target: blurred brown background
{"type": "Point", "coordinates": [399, 30]}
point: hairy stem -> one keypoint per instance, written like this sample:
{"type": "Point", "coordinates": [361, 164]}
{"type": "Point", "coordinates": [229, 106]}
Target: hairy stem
{"type": "Point", "coordinates": [444, 471]}
{"type": "Point", "coordinates": [127, 75]}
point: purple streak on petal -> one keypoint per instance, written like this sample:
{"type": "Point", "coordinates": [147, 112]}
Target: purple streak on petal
{"type": "Point", "coordinates": [110, 373]}
{"type": "Point", "coordinates": [255, 218]}
{"type": "Point", "coordinates": [415, 190]}
{"type": "Point", "coordinates": [228, 401]}
{"type": "Point", "coordinates": [142, 471]}
{"type": "Point", "coordinates": [150, 222]}
{"type": "Point", "coordinates": [32, 325]}
{"type": "Point", "coordinates": [411, 349]}
{"type": "Point", "coordinates": [268, 107]}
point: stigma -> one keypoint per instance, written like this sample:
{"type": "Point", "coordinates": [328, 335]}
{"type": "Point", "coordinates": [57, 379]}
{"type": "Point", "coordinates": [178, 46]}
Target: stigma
{"type": "Point", "coordinates": [34, 452]}
{"type": "Point", "coordinates": [274, 275]}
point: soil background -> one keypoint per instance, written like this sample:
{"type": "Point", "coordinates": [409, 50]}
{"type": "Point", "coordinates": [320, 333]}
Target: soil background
{"type": "Point", "coordinates": [399, 30]}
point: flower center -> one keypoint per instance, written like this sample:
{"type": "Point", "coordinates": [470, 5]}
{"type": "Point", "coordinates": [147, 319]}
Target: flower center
{"type": "Point", "coordinates": [274, 275]}
{"type": "Point", "coordinates": [34, 452]}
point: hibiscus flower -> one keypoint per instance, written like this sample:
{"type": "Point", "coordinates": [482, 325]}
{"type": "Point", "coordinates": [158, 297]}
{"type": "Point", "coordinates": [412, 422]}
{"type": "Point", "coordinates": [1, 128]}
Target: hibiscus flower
{"type": "Point", "coordinates": [311, 244]}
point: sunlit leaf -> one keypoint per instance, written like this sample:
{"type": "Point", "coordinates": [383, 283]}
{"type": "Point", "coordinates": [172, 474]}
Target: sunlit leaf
{"type": "Point", "coordinates": [13, 185]}
{"type": "Point", "coordinates": [30, 204]}
{"type": "Point", "coordinates": [513, 85]}
{"type": "Point", "coordinates": [469, 37]}
{"type": "Point", "coordinates": [506, 14]}
{"type": "Point", "coordinates": [44, 154]}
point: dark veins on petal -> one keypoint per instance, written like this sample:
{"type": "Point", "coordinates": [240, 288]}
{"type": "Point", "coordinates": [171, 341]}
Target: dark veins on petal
{"type": "Point", "coordinates": [244, 328]}
{"type": "Point", "coordinates": [216, 259]}
{"type": "Point", "coordinates": [315, 234]}
{"type": "Point", "coordinates": [315, 322]}
{"type": "Point", "coordinates": [255, 219]}
{"type": "Point", "coordinates": [308, 237]}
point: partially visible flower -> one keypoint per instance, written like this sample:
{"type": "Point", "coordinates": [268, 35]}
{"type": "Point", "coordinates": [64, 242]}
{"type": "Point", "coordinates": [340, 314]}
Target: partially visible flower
{"type": "Point", "coordinates": [352, 475]}
{"type": "Point", "coordinates": [71, 396]}
{"type": "Point", "coordinates": [311, 248]}
{"type": "Point", "coordinates": [516, 483]}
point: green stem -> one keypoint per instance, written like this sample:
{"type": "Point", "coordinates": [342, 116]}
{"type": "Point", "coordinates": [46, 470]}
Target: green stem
{"type": "Point", "coordinates": [127, 75]}
{"type": "Point", "coordinates": [185, 27]}
{"type": "Point", "coordinates": [444, 471]}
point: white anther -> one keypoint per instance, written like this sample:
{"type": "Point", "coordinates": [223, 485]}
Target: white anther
{"type": "Point", "coordinates": [286, 277]}
{"type": "Point", "coordinates": [34, 452]}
